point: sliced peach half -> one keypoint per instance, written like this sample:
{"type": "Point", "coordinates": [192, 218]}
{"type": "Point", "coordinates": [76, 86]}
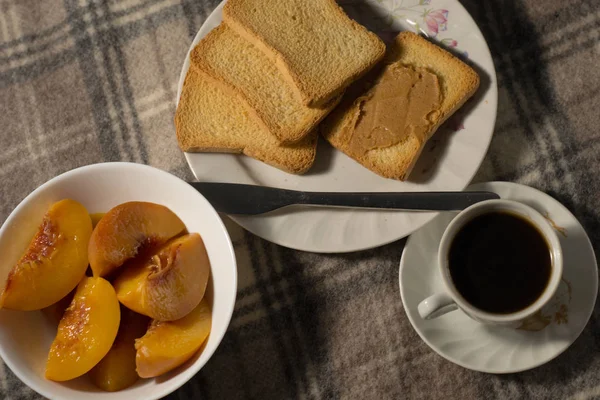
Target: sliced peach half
{"type": "Point", "coordinates": [55, 312]}
{"type": "Point", "coordinates": [168, 344]}
{"type": "Point", "coordinates": [116, 371]}
{"type": "Point", "coordinates": [86, 331]}
{"type": "Point", "coordinates": [128, 228]}
{"type": "Point", "coordinates": [169, 284]}
{"type": "Point", "coordinates": [54, 262]}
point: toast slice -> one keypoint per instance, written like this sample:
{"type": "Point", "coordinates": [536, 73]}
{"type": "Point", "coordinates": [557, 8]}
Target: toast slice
{"type": "Point", "coordinates": [236, 63]}
{"type": "Point", "coordinates": [457, 83]}
{"type": "Point", "coordinates": [314, 43]}
{"type": "Point", "coordinates": [211, 119]}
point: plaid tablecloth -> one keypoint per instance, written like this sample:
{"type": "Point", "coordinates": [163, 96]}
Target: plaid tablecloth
{"type": "Point", "coordinates": [86, 81]}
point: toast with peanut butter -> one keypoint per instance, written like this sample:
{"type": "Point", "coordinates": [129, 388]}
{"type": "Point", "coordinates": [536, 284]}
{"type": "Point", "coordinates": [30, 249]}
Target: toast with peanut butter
{"type": "Point", "coordinates": [385, 120]}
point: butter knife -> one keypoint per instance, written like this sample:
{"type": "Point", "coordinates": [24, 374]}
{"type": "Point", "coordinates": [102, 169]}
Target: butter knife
{"type": "Point", "coordinates": [240, 199]}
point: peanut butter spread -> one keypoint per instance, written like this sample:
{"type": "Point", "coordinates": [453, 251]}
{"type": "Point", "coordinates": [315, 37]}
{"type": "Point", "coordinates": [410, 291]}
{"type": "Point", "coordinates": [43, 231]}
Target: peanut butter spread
{"type": "Point", "coordinates": [405, 101]}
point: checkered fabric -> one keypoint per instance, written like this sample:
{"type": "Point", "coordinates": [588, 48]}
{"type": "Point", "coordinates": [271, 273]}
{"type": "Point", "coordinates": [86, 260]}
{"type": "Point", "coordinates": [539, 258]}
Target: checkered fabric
{"type": "Point", "coordinates": [87, 81]}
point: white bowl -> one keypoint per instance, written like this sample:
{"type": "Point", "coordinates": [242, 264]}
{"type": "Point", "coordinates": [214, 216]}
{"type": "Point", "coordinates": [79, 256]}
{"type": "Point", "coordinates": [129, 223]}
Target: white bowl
{"type": "Point", "coordinates": [25, 337]}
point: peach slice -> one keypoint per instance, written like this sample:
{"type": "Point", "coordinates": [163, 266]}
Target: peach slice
{"type": "Point", "coordinates": [128, 228]}
{"type": "Point", "coordinates": [54, 262]}
{"type": "Point", "coordinates": [86, 332]}
{"type": "Point", "coordinates": [167, 345]}
{"type": "Point", "coordinates": [55, 312]}
{"type": "Point", "coordinates": [116, 371]}
{"type": "Point", "coordinates": [169, 284]}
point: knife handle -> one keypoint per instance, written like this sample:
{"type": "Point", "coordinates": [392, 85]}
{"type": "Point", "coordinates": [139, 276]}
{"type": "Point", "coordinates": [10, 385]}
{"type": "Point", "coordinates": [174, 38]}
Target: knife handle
{"type": "Point", "coordinates": [429, 201]}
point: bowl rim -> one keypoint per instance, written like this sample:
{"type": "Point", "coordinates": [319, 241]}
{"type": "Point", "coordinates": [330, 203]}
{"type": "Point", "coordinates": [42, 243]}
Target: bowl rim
{"type": "Point", "coordinates": [193, 369]}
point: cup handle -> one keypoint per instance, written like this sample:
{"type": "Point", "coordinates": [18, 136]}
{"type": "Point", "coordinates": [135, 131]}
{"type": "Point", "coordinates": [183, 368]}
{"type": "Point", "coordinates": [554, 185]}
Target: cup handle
{"type": "Point", "coordinates": [436, 306]}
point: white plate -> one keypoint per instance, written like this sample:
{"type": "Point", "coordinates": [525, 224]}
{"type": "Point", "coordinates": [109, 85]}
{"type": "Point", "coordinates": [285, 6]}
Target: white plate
{"type": "Point", "coordinates": [465, 342]}
{"type": "Point", "coordinates": [451, 165]}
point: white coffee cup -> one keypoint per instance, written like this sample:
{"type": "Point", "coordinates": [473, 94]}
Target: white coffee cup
{"type": "Point", "coordinates": [450, 300]}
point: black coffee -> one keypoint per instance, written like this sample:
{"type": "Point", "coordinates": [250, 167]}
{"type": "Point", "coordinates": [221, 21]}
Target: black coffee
{"type": "Point", "coordinates": [499, 262]}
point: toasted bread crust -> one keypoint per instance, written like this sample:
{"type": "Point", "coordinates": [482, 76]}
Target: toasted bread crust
{"type": "Point", "coordinates": [247, 73]}
{"type": "Point", "coordinates": [210, 118]}
{"type": "Point", "coordinates": [312, 93]}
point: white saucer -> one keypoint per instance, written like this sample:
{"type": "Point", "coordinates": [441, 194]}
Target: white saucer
{"type": "Point", "coordinates": [469, 344]}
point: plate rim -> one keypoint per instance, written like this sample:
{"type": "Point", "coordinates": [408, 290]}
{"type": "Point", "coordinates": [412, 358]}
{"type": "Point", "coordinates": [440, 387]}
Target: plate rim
{"type": "Point", "coordinates": [305, 246]}
{"type": "Point", "coordinates": [402, 265]}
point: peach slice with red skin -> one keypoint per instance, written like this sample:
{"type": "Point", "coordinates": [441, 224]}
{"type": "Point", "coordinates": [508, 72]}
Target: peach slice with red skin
{"type": "Point", "coordinates": [116, 371]}
{"type": "Point", "coordinates": [86, 331]}
{"type": "Point", "coordinates": [169, 284]}
{"type": "Point", "coordinates": [54, 262]}
{"type": "Point", "coordinates": [168, 344]}
{"type": "Point", "coordinates": [128, 228]}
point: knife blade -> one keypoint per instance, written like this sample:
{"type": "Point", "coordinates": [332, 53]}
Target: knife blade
{"type": "Point", "coordinates": [241, 199]}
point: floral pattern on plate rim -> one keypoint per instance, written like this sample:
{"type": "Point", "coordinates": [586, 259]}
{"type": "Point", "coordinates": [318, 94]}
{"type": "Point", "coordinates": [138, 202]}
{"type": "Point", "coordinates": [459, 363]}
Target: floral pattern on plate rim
{"type": "Point", "coordinates": [431, 22]}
